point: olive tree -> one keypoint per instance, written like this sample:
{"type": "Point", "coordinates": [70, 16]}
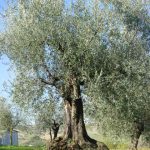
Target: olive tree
{"type": "Point", "coordinates": [123, 92]}
{"type": "Point", "coordinates": [8, 120]}
{"type": "Point", "coordinates": [48, 117]}
{"type": "Point", "coordinates": [59, 47]}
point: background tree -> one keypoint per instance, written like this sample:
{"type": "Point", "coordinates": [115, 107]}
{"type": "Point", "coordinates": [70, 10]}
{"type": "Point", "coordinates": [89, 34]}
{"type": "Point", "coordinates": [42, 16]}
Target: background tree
{"type": "Point", "coordinates": [125, 97]}
{"type": "Point", "coordinates": [48, 117]}
{"type": "Point", "coordinates": [8, 120]}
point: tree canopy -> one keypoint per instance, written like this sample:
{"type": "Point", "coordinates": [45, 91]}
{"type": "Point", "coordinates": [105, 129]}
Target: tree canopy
{"type": "Point", "coordinates": [101, 46]}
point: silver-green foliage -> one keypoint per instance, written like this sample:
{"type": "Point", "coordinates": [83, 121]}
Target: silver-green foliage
{"type": "Point", "coordinates": [8, 120]}
{"type": "Point", "coordinates": [105, 45]}
{"type": "Point", "coordinates": [120, 94]}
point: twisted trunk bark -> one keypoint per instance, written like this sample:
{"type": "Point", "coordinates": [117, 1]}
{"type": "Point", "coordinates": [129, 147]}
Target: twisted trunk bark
{"type": "Point", "coordinates": [68, 129]}
{"type": "Point", "coordinates": [135, 140]}
{"type": "Point", "coordinates": [138, 128]}
{"type": "Point", "coordinates": [74, 117]}
{"type": "Point", "coordinates": [75, 126]}
{"type": "Point", "coordinates": [80, 135]}
{"type": "Point", "coordinates": [75, 130]}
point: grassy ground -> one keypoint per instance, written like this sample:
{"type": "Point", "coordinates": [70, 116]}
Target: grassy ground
{"type": "Point", "coordinates": [122, 145]}
{"type": "Point", "coordinates": [37, 140]}
{"type": "Point", "coordinates": [20, 148]}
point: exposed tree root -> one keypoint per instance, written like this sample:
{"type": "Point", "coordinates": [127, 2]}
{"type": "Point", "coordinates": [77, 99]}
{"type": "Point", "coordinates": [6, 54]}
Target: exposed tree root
{"type": "Point", "coordinates": [60, 144]}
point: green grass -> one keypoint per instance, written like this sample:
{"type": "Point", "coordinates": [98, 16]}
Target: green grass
{"type": "Point", "coordinates": [122, 145]}
{"type": "Point", "coordinates": [20, 148]}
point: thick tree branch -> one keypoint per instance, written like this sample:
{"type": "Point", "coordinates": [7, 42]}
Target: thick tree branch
{"type": "Point", "coordinates": [46, 82]}
{"type": "Point", "coordinates": [51, 78]}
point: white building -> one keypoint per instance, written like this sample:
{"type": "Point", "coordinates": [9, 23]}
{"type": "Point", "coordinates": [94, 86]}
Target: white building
{"type": "Point", "coordinates": [5, 138]}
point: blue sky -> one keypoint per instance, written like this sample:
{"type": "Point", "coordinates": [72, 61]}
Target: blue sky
{"type": "Point", "coordinates": [2, 4]}
{"type": "Point", "coordinates": [2, 7]}
{"type": "Point", "coordinates": [5, 74]}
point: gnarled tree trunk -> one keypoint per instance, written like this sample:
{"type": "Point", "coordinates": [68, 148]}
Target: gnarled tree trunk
{"type": "Point", "coordinates": [68, 128]}
{"type": "Point", "coordinates": [138, 128]}
{"type": "Point", "coordinates": [74, 123]}
{"type": "Point", "coordinates": [74, 117]}
{"type": "Point", "coordinates": [74, 129]}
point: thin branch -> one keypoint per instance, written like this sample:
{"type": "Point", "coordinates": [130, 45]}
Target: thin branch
{"type": "Point", "coordinates": [61, 48]}
{"type": "Point", "coordinates": [47, 82]}
{"type": "Point", "coordinates": [51, 78]}
{"type": "Point", "coordinates": [47, 70]}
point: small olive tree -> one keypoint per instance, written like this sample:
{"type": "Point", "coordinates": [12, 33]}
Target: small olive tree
{"type": "Point", "coordinates": [49, 117]}
{"type": "Point", "coordinates": [8, 120]}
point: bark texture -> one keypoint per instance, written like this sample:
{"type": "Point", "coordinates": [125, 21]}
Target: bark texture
{"type": "Point", "coordinates": [74, 117]}
{"type": "Point", "coordinates": [68, 128]}
{"type": "Point", "coordinates": [75, 134]}
{"type": "Point", "coordinates": [75, 126]}
{"type": "Point", "coordinates": [138, 128]}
